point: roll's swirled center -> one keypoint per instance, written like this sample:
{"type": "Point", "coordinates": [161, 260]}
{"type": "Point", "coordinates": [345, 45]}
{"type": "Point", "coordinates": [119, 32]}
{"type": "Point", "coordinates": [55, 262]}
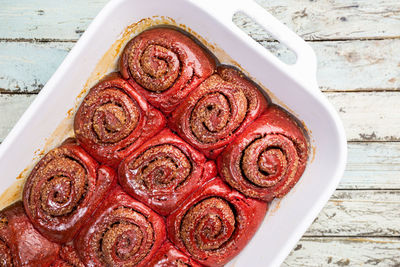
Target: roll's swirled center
{"type": "Point", "coordinates": [156, 68]}
{"type": "Point", "coordinates": [217, 115]}
{"type": "Point", "coordinates": [267, 160]}
{"type": "Point", "coordinates": [160, 167]}
{"type": "Point", "coordinates": [208, 225]}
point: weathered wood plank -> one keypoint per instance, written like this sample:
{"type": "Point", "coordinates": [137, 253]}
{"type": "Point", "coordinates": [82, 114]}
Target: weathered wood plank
{"type": "Point", "coordinates": [359, 213]}
{"type": "Point", "coordinates": [368, 116]}
{"type": "Point", "coordinates": [356, 65]}
{"type": "Point", "coordinates": [323, 19]}
{"type": "Point", "coordinates": [26, 67]}
{"type": "Point", "coordinates": [332, 19]}
{"type": "Point", "coordinates": [321, 252]}
{"type": "Point", "coordinates": [47, 19]}
{"type": "Point", "coordinates": [373, 165]}
{"type": "Point", "coordinates": [352, 65]}
{"type": "Point", "coordinates": [11, 109]}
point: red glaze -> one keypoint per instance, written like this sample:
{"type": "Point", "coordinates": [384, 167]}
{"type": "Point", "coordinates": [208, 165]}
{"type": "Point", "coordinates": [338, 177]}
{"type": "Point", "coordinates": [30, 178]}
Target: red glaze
{"type": "Point", "coordinates": [215, 223]}
{"type": "Point", "coordinates": [268, 158]}
{"type": "Point", "coordinates": [68, 258]}
{"type": "Point", "coordinates": [20, 243]}
{"type": "Point", "coordinates": [165, 65]}
{"type": "Point", "coordinates": [122, 232]}
{"type": "Point", "coordinates": [169, 256]}
{"type": "Point", "coordinates": [164, 171]}
{"type": "Point", "coordinates": [113, 120]}
{"type": "Point", "coordinates": [64, 189]}
{"type": "Point", "coordinates": [217, 111]}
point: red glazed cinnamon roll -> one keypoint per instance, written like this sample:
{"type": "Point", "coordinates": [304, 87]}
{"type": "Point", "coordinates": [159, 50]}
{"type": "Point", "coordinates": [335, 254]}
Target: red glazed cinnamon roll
{"type": "Point", "coordinates": [267, 159]}
{"type": "Point", "coordinates": [165, 65]}
{"type": "Point", "coordinates": [20, 243]}
{"type": "Point", "coordinates": [169, 256]}
{"type": "Point", "coordinates": [68, 258]}
{"type": "Point", "coordinates": [64, 189]}
{"type": "Point", "coordinates": [122, 232]}
{"type": "Point", "coordinates": [114, 119]}
{"type": "Point", "coordinates": [215, 223]}
{"type": "Point", "coordinates": [164, 171]}
{"type": "Point", "coordinates": [217, 111]}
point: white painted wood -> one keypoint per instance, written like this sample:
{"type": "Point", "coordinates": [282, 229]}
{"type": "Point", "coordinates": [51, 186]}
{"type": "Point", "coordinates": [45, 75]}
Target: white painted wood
{"type": "Point", "coordinates": [359, 213]}
{"type": "Point", "coordinates": [369, 116]}
{"type": "Point", "coordinates": [352, 65]}
{"type": "Point", "coordinates": [332, 19]}
{"type": "Point", "coordinates": [25, 67]}
{"type": "Point", "coordinates": [347, 251]}
{"type": "Point", "coordinates": [373, 165]}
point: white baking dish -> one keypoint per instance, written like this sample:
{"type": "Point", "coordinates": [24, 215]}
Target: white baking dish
{"type": "Point", "coordinates": [294, 85]}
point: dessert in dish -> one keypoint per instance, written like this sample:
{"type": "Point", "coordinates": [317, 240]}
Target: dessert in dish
{"type": "Point", "coordinates": [113, 120]}
{"type": "Point", "coordinates": [218, 110]}
{"type": "Point", "coordinates": [215, 223]}
{"type": "Point", "coordinates": [164, 171]}
{"type": "Point", "coordinates": [174, 162]}
{"type": "Point", "coordinates": [122, 232]}
{"type": "Point", "coordinates": [268, 158]}
{"type": "Point", "coordinates": [20, 243]}
{"type": "Point", "coordinates": [169, 256]}
{"type": "Point", "coordinates": [63, 190]}
{"type": "Point", "coordinates": [165, 65]}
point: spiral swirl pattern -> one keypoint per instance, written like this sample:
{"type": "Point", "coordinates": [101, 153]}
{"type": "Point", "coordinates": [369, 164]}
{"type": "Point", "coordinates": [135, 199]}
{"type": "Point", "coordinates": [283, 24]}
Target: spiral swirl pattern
{"type": "Point", "coordinates": [63, 189]}
{"type": "Point", "coordinates": [161, 166]}
{"type": "Point", "coordinates": [215, 223]}
{"type": "Point", "coordinates": [164, 171]}
{"type": "Point", "coordinates": [113, 120]}
{"type": "Point", "coordinates": [208, 225]}
{"type": "Point", "coordinates": [268, 158]}
{"type": "Point", "coordinates": [123, 232]}
{"type": "Point", "coordinates": [218, 110]}
{"type": "Point", "coordinates": [165, 65]}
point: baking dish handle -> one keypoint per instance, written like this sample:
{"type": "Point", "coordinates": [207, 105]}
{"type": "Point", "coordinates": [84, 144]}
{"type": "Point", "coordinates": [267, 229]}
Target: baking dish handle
{"type": "Point", "coordinates": [305, 67]}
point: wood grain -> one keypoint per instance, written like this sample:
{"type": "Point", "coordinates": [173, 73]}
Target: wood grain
{"type": "Point", "coordinates": [372, 165]}
{"type": "Point", "coordinates": [359, 213]}
{"type": "Point", "coordinates": [368, 116]}
{"type": "Point", "coordinates": [11, 109]}
{"type": "Point", "coordinates": [312, 19]}
{"type": "Point", "coordinates": [346, 251]}
{"type": "Point", "coordinates": [351, 65]}
{"type": "Point", "coordinates": [25, 67]}
{"type": "Point", "coordinates": [47, 19]}
{"type": "Point", "coordinates": [356, 65]}
{"type": "Point", "coordinates": [332, 19]}
{"type": "Point", "coordinates": [357, 43]}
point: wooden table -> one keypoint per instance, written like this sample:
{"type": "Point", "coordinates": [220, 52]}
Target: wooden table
{"type": "Point", "coordinates": [358, 47]}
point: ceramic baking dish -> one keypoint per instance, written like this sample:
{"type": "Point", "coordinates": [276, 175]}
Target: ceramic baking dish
{"type": "Point", "coordinates": [48, 120]}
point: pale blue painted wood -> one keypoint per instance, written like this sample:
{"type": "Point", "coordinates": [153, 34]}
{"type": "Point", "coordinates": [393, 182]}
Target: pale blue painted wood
{"type": "Point", "coordinates": [11, 109]}
{"type": "Point", "coordinates": [26, 67]}
{"type": "Point", "coordinates": [323, 19]}
{"type": "Point", "coordinates": [358, 65]}
{"type": "Point", "coordinates": [47, 19]}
